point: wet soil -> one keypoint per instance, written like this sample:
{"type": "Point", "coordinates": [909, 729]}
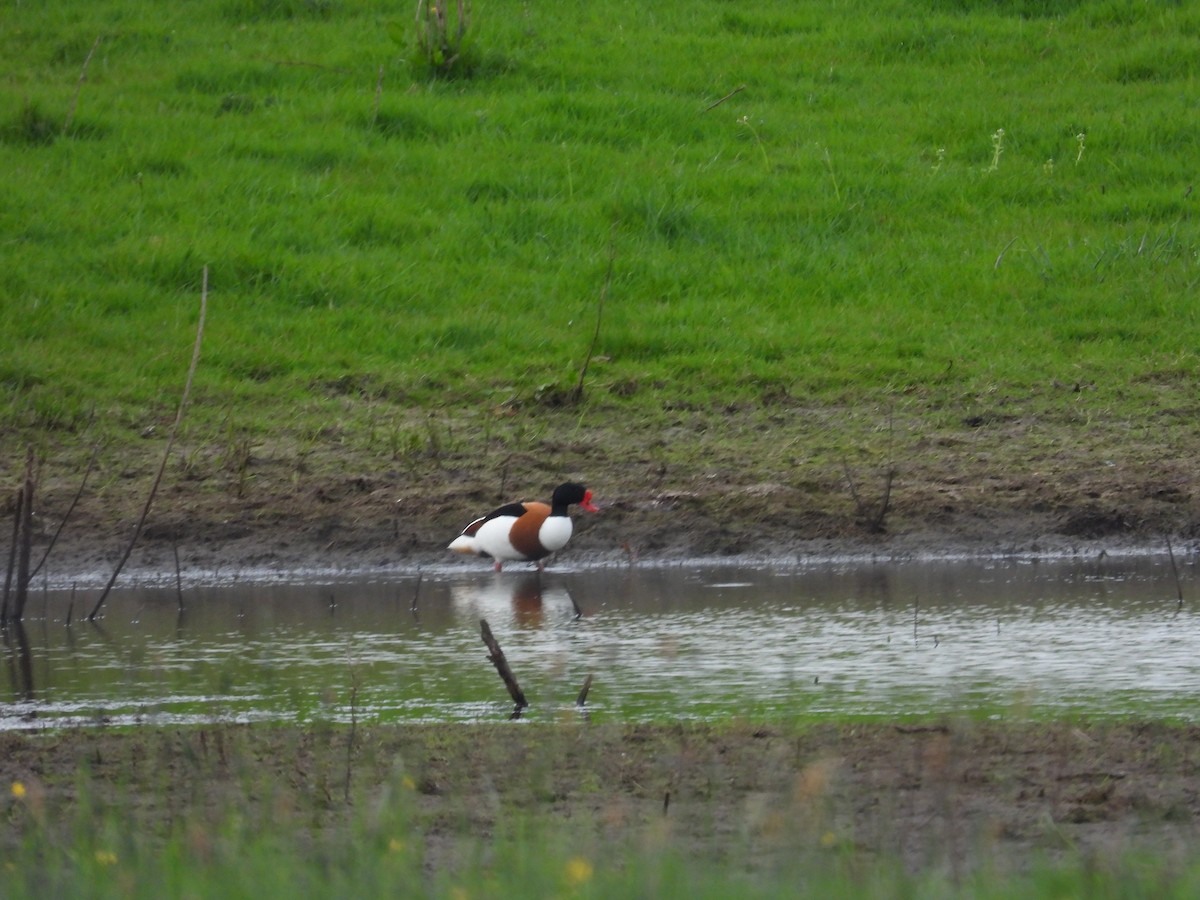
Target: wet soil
{"type": "Point", "coordinates": [945, 796]}
{"type": "Point", "coordinates": [746, 483]}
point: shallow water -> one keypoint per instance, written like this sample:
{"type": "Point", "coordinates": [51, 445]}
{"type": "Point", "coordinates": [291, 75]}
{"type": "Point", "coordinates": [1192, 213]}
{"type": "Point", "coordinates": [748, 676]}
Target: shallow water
{"type": "Point", "coordinates": [1102, 637]}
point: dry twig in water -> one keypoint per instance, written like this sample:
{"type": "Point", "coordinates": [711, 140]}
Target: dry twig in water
{"type": "Point", "coordinates": [496, 655]}
{"type": "Point", "coordinates": [1175, 572]}
{"type": "Point", "coordinates": [581, 700]}
{"type": "Point", "coordinates": [21, 546]}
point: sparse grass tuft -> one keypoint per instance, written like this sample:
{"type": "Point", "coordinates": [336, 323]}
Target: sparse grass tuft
{"type": "Point", "coordinates": [444, 36]}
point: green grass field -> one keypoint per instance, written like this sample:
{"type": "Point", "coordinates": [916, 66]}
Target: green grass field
{"type": "Point", "coordinates": [850, 223]}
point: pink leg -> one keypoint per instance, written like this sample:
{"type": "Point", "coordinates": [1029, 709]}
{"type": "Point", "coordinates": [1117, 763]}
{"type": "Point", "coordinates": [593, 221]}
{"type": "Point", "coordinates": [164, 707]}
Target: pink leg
{"type": "Point", "coordinates": [498, 565]}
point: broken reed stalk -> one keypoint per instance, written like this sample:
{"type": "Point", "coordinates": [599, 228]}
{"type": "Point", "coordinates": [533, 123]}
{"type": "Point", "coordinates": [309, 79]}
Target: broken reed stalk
{"type": "Point", "coordinates": [1175, 572]}
{"type": "Point", "coordinates": [876, 524]}
{"type": "Point", "coordinates": [79, 86]}
{"type": "Point", "coordinates": [21, 547]}
{"type": "Point", "coordinates": [417, 592]}
{"type": "Point", "coordinates": [737, 90]}
{"type": "Point", "coordinates": [26, 543]}
{"type": "Point", "coordinates": [187, 389]}
{"type": "Point", "coordinates": [496, 655]}
{"type": "Point", "coordinates": [577, 393]}
{"type": "Point", "coordinates": [70, 509]}
{"type": "Point", "coordinates": [12, 554]}
{"type": "Point", "coordinates": [581, 700]}
{"type": "Point", "coordinates": [1000, 258]}
{"type": "Point", "coordinates": [178, 575]}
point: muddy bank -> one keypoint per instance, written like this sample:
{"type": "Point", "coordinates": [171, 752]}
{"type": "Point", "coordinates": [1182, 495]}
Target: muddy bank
{"type": "Point", "coordinates": [354, 524]}
{"type": "Point", "coordinates": [745, 483]}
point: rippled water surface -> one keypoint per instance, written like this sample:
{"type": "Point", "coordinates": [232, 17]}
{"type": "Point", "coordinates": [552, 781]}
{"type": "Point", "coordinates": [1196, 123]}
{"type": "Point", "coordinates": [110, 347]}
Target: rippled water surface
{"type": "Point", "coordinates": [1102, 637]}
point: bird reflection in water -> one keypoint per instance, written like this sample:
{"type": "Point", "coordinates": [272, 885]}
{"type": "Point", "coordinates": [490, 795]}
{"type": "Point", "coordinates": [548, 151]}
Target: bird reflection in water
{"type": "Point", "coordinates": [523, 601]}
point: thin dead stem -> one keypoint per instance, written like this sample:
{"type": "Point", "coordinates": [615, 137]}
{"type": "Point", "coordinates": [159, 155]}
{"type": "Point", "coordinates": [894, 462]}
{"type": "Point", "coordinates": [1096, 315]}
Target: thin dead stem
{"type": "Point", "coordinates": [187, 389]}
{"type": "Point", "coordinates": [737, 90]}
{"type": "Point", "coordinates": [1175, 573]}
{"type": "Point", "coordinates": [26, 542]}
{"type": "Point", "coordinates": [577, 394]}
{"type": "Point", "coordinates": [22, 542]}
{"type": "Point", "coordinates": [581, 700]}
{"type": "Point", "coordinates": [70, 509]}
{"type": "Point", "coordinates": [1000, 258]}
{"type": "Point", "coordinates": [12, 554]}
{"type": "Point", "coordinates": [416, 593]}
{"type": "Point", "coordinates": [178, 576]}
{"type": "Point", "coordinates": [871, 515]}
{"type": "Point", "coordinates": [79, 86]}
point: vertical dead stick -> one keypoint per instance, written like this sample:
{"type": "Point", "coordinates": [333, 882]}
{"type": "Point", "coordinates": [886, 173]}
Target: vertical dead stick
{"type": "Point", "coordinates": [79, 86]}
{"type": "Point", "coordinates": [583, 692]}
{"type": "Point", "coordinates": [496, 655]}
{"type": "Point", "coordinates": [25, 544]}
{"type": "Point", "coordinates": [187, 389]}
{"type": "Point", "coordinates": [1175, 572]}
{"type": "Point", "coordinates": [417, 592]}
{"type": "Point", "coordinates": [178, 574]}
{"type": "Point", "coordinates": [12, 553]}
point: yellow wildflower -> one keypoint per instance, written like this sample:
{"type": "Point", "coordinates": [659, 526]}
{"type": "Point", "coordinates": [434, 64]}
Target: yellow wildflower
{"type": "Point", "coordinates": [18, 790]}
{"type": "Point", "coordinates": [106, 857]}
{"type": "Point", "coordinates": [579, 871]}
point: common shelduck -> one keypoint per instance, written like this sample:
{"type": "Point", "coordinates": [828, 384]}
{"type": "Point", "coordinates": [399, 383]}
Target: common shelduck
{"type": "Point", "coordinates": [527, 531]}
